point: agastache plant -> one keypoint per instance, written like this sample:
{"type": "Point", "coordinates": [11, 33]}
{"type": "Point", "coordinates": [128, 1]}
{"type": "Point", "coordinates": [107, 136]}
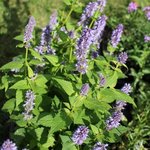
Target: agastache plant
{"type": "Point", "coordinates": [28, 31]}
{"type": "Point", "coordinates": [116, 35]}
{"type": "Point", "coordinates": [122, 57]}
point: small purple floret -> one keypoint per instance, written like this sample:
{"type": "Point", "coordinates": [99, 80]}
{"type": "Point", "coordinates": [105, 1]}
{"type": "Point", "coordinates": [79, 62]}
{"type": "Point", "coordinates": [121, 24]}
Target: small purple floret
{"type": "Point", "coordinates": [147, 38]}
{"type": "Point", "coordinates": [8, 145]}
{"type": "Point", "coordinates": [102, 80]}
{"type": "Point", "coordinates": [147, 12]}
{"type": "Point", "coordinates": [100, 146]}
{"type": "Point", "coordinates": [122, 58]}
{"type": "Point", "coordinates": [80, 135]}
{"type": "Point", "coordinates": [84, 89]}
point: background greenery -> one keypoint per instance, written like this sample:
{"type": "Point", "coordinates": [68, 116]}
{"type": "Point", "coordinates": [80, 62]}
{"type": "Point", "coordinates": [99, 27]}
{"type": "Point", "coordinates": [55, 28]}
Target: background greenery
{"type": "Point", "coordinates": [14, 16]}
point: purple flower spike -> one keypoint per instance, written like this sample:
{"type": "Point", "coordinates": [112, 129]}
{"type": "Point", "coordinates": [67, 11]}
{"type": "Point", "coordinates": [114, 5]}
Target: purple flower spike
{"type": "Point", "coordinates": [8, 145]}
{"type": "Point", "coordinates": [28, 105]}
{"type": "Point", "coordinates": [82, 66]}
{"type": "Point", "coordinates": [100, 146]}
{"type": "Point", "coordinates": [147, 38]}
{"type": "Point", "coordinates": [132, 7]}
{"type": "Point", "coordinates": [116, 35]}
{"type": "Point", "coordinates": [120, 105]}
{"type": "Point", "coordinates": [80, 135]}
{"type": "Point", "coordinates": [114, 120]}
{"type": "Point", "coordinates": [28, 31]}
{"type": "Point", "coordinates": [98, 28]}
{"type": "Point", "coordinates": [122, 58]}
{"type": "Point", "coordinates": [84, 89]}
{"type": "Point", "coordinates": [90, 10]}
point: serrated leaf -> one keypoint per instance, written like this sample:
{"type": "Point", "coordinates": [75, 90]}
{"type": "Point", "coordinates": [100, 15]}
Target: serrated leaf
{"type": "Point", "coordinates": [9, 105]}
{"type": "Point", "coordinates": [52, 59]}
{"type": "Point", "coordinates": [109, 95]}
{"type": "Point", "coordinates": [36, 54]}
{"type": "Point", "coordinates": [30, 72]}
{"type": "Point", "coordinates": [12, 65]}
{"type": "Point", "coordinates": [19, 38]}
{"type": "Point", "coordinates": [22, 84]}
{"type": "Point", "coordinates": [65, 85]}
{"type": "Point", "coordinates": [45, 120]}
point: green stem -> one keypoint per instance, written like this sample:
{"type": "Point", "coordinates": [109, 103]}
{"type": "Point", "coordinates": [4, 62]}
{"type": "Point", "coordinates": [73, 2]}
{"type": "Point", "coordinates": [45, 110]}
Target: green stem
{"type": "Point", "coordinates": [68, 15]}
{"type": "Point", "coordinates": [26, 61]}
{"type": "Point", "coordinates": [70, 56]}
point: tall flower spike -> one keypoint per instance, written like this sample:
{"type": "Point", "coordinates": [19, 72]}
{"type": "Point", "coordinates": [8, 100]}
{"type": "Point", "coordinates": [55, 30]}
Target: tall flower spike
{"type": "Point", "coordinates": [8, 145]}
{"type": "Point", "coordinates": [98, 28]}
{"type": "Point", "coordinates": [82, 49]}
{"type": "Point", "coordinates": [114, 120]}
{"type": "Point", "coordinates": [132, 7]}
{"type": "Point", "coordinates": [90, 10]}
{"type": "Point", "coordinates": [100, 146]}
{"type": "Point", "coordinates": [80, 135]}
{"type": "Point", "coordinates": [84, 89]}
{"type": "Point", "coordinates": [29, 105]}
{"type": "Point", "coordinates": [122, 57]}
{"type": "Point", "coordinates": [116, 35]}
{"type": "Point", "coordinates": [28, 31]}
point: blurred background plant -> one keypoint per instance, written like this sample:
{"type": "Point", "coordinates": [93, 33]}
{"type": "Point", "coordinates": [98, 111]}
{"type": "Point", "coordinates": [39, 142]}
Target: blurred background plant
{"type": "Point", "coordinates": [15, 14]}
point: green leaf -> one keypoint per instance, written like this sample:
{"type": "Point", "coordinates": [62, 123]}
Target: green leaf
{"type": "Point", "coordinates": [65, 85]}
{"type": "Point", "coordinates": [45, 120]}
{"type": "Point", "coordinates": [96, 105]}
{"type": "Point", "coordinates": [67, 2]}
{"type": "Point", "coordinates": [36, 54]}
{"type": "Point", "coordinates": [30, 72]}
{"type": "Point", "coordinates": [63, 36]}
{"type": "Point", "coordinates": [60, 121]}
{"type": "Point", "coordinates": [67, 143]}
{"type": "Point", "coordinates": [19, 97]}
{"type": "Point", "coordinates": [5, 82]}
{"type": "Point", "coordinates": [39, 132]}
{"type": "Point", "coordinates": [109, 95]}
{"type": "Point", "coordinates": [94, 129]}
{"type": "Point", "coordinates": [9, 105]}
{"type": "Point", "coordinates": [52, 59]}
{"type": "Point", "coordinates": [111, 81]}
{"type": "Point", "coordinates": [19, 38]}
{"type": "Point", "coordinates": [22, 84]}
{"type": "Point", "coordinates": [12, 65]}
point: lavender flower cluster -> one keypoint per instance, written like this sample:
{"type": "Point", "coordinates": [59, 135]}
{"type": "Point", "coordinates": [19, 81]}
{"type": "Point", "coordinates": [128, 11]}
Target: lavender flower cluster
{"type": "Point", "coordinates": [116, 35]}
{"type": "Point", "coordinates": [28, 31]}
{"type": "Point", "coordinates": [29, 105]}
{"type": "Point", "coordinates": [81, 134]}
{"type": "Point", "coordinates": [8, 145]}
{"type": "Point", "coordinates": [46, 36]}
{"type": "Point", "coordinates": [90, 10]}
{"type": "Point", "coordinates": [147, 12]}
{"type": "Point", "coordinates": [132, 7]}
{"type": "Point", "coordinates": [84, 89]}
{"type": "Point", "coordinates": [114, 120]}
{"type": "Point", "coordinates": [88, 37]}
